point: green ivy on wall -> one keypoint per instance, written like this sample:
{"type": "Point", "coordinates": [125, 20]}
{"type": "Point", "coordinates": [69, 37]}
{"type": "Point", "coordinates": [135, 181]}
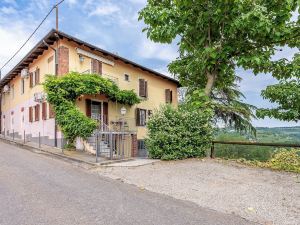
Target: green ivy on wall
{"type": "Point", "coordinates": [63, 91]}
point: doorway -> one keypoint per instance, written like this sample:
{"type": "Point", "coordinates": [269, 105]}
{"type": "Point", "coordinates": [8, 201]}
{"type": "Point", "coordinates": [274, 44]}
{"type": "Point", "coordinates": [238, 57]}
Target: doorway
{"type": "Point", "coordinates": [99, 112]}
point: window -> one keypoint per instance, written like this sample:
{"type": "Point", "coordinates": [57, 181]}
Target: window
{"type": "Point", "coordinates": [30, 114]}
{"type": "Point", "coordinates": [44, 110]}
{"type": "Point", "coordinates": [141, 117]}
{"type": "Point", "coordinates": [34, 78]}
{"type": "Point", "coordinates": [37, 76]}
{"type": "Point", "coordinates": [37, 112]}
{"type": "Point", "coordinates": [168, 94]}
{"type": "Point", "coordinates": [12, 91]}
{"type": "Point", "coordinates": [31, 80]}
{"type": "Point", "coordinates": [126, 77]}
{"type": "Point", "coordinates": [22, 86]}
{"type": "Point", "coordinates": [143, 88]}
{"type": "Point", "coordinates": [96, 66]}
{"type": "Point", "coordinates": [141, 144]}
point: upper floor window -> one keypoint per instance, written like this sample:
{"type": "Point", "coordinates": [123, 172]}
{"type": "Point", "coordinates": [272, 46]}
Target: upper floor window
{"type": "Point", "coordinates": [126, 77]}
{"type": "Point", "coordinates": [168, 95]}
{"type": "Point", "coordinates": [96, 66]}
{"type": "Point", "coordinates": [143, 88]}
{"type": "Point", "coordinates": [34, 78]}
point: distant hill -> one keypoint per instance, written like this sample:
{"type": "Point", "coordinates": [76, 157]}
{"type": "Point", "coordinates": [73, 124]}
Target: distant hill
{"type": "Point", "coordinates": [279, 134]}
{"type": "Point", "coordinates": [264, 134]}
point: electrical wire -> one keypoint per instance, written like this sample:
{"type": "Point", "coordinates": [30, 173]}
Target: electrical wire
{"type": "Point", "coordinates": [32, 34]}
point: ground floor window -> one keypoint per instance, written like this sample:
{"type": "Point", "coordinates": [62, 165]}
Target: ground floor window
{"type": "Point", "coordinates": [141, 117]}
{"type": "Point", "coordinates": [142, 151]}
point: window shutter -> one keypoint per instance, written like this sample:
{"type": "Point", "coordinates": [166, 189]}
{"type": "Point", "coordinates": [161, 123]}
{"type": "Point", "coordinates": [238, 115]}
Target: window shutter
{"type": "Point", "coordinates": [88, 103]}
{"type": "Point", "coordinates": [146, 89]}
{"type": "Point", "coordinates": [96, 66]}
{"type": "Point", "coordinates": [37, 112]}
{"type": "Point", "coordinates": [37, 76]}
{"type": "Point", "coordinates": [30, 114]}
{"type": "Point", "coordinates": [93, 65]}
{"type": "Point", "coordinates": [31, 80]}
{"type": "Point", "coordinates": [137, 117]}
{"type": "Point", "coordinates": [171, 96]}
{"type": "Point", "coordinates": [44, 110]}
{"type": "Point", "coordinates": [99, 67]}
{"type": "Point", "coordinates": [167, 93]}
{"type": "Point", "coordinates": [51, 111]}
{"type": "Point", "coordinates": [142, 89]}
{"type": "Point", "coordinates": [150, 113]}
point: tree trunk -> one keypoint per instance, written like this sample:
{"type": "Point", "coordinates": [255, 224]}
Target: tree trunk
{"type": "Point", "coordinates": [211, 78]}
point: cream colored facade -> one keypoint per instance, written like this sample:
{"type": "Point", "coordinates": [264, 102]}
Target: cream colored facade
{"type": "Point", "coordinates": [15, 104]}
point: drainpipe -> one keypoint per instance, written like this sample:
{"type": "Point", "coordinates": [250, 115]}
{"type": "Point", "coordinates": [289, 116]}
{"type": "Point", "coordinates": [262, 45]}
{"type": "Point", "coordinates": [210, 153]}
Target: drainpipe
{"type": "Point", "coordinates": [56, 73]}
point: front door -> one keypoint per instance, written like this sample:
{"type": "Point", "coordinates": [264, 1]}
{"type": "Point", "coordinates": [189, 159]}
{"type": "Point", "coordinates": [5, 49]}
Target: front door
{"type": "Point", "coordinates": [96, 111]}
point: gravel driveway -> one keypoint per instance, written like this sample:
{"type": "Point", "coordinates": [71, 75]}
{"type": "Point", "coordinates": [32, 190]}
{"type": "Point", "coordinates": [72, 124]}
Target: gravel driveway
{"type": "Point", "coordinates": [260, 195]}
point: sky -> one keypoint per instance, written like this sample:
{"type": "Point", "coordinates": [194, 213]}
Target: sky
{"type": "Point", "coordinates": [112, 25]}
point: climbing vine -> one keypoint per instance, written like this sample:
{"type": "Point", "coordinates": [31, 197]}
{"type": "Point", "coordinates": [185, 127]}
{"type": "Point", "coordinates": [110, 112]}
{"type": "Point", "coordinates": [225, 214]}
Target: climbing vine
{"type": "Point", "coordinates": [63, 91]}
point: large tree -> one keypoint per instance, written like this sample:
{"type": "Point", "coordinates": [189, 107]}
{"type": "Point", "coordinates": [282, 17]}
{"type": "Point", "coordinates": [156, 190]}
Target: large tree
{"type": "Point", "coordinates": [217, 36]}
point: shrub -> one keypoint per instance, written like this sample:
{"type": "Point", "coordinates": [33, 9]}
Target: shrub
{"type": "Point", "coordinates": [178, 133]}
{"type": "Point", "coordinates": [285, 159]}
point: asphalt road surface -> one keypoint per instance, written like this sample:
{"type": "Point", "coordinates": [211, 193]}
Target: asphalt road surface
{"type": "Point", "coordinates": [37, 189]}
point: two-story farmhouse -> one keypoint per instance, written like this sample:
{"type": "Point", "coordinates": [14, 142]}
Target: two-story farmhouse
{"type": "Point", "coordinates": [24, 110]}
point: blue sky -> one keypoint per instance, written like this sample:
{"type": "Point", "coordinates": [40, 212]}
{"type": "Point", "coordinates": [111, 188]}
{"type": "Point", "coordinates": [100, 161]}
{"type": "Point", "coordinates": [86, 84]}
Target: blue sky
{"type": "Point", "coordinates": [113, 26]}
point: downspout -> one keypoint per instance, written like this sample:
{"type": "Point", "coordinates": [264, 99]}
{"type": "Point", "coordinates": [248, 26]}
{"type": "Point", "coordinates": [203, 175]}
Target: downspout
{"type": "Point", "coordinates": [55, 73]}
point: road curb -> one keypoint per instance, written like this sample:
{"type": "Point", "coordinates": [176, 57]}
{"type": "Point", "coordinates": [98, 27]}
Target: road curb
{"type": "Point", "coordinates": [59, 156]}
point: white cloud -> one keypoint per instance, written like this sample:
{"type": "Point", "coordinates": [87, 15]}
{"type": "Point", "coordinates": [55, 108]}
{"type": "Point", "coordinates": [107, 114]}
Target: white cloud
{"type": "Point", "coordinates": [8, 10]}
{"type": "Point", "coordinates": [10, 42]}
{"type": "Point", "coordinates": [150, 50]}
{"type": "Point", "coordinates": [285, 52]}
{"type": "Point", "coordinates": [104, 10]}
{"type": "Point", "coordinates": [253, 83]}
{"type": "Point", "coordinates": [164, 70]}
{"type": "Point", "coordinates": [71, 2]}
{"type": "Point", "coordinates": [139, 2]}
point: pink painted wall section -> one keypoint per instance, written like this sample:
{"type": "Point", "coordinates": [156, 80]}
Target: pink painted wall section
{"type": "Point", "coordinates": [17, 119]}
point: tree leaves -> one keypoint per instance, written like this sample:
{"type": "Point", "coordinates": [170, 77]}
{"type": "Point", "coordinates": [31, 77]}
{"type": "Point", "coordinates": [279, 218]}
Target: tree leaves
{"type": "Point", "coordinates": [217, 36]}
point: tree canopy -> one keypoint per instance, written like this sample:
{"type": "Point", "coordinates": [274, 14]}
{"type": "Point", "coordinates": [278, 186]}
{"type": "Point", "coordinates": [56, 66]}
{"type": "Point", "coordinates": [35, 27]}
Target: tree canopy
{"type": "Point", "coordinates": [217, 36]}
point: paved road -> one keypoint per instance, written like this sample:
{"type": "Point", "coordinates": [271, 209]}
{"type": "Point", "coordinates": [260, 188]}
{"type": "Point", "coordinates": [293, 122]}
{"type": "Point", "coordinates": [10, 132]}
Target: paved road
{"type": "Point", "coordinates": [38, 189]}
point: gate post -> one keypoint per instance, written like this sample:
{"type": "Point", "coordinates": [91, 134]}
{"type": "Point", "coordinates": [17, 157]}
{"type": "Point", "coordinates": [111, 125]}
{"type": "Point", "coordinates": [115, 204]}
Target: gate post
{"type": "Point", "coordinates": [212, 150]}
{"type": "Point", "coordinates": [110, 146]}
{"type": "Point", "coordinates": [97, 142]}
